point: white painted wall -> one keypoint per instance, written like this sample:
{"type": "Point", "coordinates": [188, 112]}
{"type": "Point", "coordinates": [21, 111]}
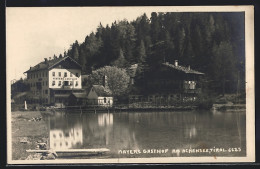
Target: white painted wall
{"type": "Point", "coordinates": [76, 81]}
{"type": "Point", "coordinates": [46, 78]}
{"type": "Point", "coordinates": [109, 101]}
{"type": "Point", "coordinates": [94, 98]}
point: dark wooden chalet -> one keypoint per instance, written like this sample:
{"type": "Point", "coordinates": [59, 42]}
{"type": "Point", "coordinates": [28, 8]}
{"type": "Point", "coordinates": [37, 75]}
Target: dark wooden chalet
{"type": "Point", "coordinates": [170, 82]}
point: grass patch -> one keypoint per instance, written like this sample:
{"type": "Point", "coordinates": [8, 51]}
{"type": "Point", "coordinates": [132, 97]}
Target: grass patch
{"type": "Point", "coordinates": [32, 130]}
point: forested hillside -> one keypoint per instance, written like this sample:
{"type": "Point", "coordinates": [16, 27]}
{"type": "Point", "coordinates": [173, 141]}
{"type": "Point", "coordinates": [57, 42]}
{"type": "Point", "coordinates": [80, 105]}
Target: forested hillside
{"type": "Point", "coordinates": [212, 43]}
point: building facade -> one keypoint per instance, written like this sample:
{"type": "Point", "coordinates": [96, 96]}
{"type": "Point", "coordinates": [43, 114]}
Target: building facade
{"type": "Point", "coordinates": [170, 84]}
{"type": "Point", "coordinates": [100, 96]}
{"type": "Point", "coordinates": [52, 80]}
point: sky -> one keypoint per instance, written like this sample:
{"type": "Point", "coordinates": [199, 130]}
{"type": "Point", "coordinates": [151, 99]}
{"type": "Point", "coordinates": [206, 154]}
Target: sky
{"type": "Point", "coordinates": [33, 34]}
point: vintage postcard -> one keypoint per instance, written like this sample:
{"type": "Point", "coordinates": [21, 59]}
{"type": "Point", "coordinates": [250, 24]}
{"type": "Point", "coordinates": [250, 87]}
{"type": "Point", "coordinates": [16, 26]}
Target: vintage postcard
{"type": "Point", "coordinates": [130, 84]}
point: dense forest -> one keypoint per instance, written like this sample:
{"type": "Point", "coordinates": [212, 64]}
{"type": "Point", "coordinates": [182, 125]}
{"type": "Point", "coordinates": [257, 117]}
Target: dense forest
{"type": "Point", "coordinates": [212, 43]}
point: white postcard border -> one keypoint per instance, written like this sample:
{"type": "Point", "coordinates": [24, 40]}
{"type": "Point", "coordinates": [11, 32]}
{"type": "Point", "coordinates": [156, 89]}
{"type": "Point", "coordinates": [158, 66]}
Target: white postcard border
{"type": "Point", "coordinates": [250, 97]}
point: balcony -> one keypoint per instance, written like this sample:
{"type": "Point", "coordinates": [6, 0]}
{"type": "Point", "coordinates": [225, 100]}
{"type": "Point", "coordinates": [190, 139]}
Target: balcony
{"type": "Point", "coordinates": [67, 87]}
{"type": "Point", "coordinates": [196, 91]}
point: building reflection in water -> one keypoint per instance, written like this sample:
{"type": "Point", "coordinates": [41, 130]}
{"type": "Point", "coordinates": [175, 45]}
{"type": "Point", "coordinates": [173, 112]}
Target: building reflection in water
{"type": "Point", "coordinates": [141, 130]}
{"type": "Point", "coordinates": [105, 119]}
{"type": "Point", "coordinates": [192, 132]}
{"type": "Point", "coordinates": [66, 139]}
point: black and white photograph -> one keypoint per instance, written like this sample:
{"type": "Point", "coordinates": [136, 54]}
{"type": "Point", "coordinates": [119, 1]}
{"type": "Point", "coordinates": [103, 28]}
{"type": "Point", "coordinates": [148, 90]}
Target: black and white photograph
{"type": "Point", "coordinates": [157, 84]}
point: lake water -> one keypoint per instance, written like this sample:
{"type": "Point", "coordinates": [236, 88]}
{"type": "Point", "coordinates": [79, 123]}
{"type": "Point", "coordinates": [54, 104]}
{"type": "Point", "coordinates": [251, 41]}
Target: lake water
{"type": "Point", "coordinates": [151, 134]}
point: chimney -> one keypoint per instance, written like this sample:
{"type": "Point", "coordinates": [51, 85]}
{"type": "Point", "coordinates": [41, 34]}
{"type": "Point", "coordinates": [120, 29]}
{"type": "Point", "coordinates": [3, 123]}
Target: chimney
{"type": "Point", "coordinates": [105, 81]}
{"type": "Point", "coordinates": [45, 60]}
{"type": "Point", "coordinates": [176, 63]}
{"type": "Point", "coordinates": [189, 67]}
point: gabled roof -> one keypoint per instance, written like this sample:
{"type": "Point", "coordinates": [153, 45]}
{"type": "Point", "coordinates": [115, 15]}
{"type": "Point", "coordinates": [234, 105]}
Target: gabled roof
{"type": "Point", "coordinates": [132, 70]}
{"type": "Point", "coordinates": [80, 95]}
{"type": "Point", "coordinates": [48, 64]}
{"type": "Point", "coordinates": [183, 69]}
{"type": "Point", "coordinates": [101, 90]}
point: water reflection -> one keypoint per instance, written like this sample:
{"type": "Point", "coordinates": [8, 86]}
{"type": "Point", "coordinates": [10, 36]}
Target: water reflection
{"type": "Point", "coordinates": [60, 139]}
{"type": "Point", "coordinates": [148, 130]}
{"type": "Point", "coordinates": [64, 133]}
{"type": "Point", "coordinates": [191, 132]}
{"type": "Point", "coordinates": [105, 119]}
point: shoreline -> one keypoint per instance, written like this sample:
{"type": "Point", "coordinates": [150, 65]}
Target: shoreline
{"type": "Point", "coordinates": [27, 132]}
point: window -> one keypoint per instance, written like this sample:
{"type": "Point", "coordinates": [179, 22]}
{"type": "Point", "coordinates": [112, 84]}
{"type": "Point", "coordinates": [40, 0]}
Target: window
{"type": "Point", "coordinates": [53, 83]}
{"type": "Point", "coordinates": [65, 74]}
{"type": "Point", "coordinates": [77, 74]}
{"type": "Point", "coordinates": [46, 83]}
{"type": "Point", "coordinates": [132, 81]}
{"type": "Point", "coordinates": [59, 74]}
{"type": "Point", "coordinates": [46, 91]}
{"type": "Point", "coordinates": [66, 83]}
{"type": "Point", "coordinates": [105, 100]}
{"type": "Point", "coordinates": [42, 74]}
{"type": "Point", "coordinates": [71, 83]}
{"type": "Point", "coordinates": [36, 75]}
{"type": "Point", "coordinates": [70, 74]}
{"type": "Point", "coordinates": [46, 74]}
{"type": "Point", "coordinates": [33, 75]}
{"type": "Point", "coordinates": [42, 83]}
{"type": "Point", "coordinates": [77, 83]}
{"type": "Point", "coordinates": [66, 134]}
{"type": "Point", "coordinates": [59, 83]}
{"type": "Point", "coordinates": [53, 73]}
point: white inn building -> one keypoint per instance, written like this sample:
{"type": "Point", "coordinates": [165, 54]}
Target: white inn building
{"type": "Point", "coordinates": [51, 81]}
